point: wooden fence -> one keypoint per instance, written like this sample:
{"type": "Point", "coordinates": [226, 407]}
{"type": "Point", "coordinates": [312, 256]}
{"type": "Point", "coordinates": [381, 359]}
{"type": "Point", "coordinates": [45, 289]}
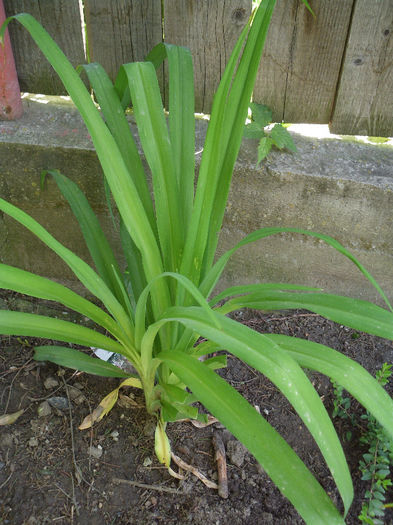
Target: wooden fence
{"type": "Point", "coordinates": [335, 68]}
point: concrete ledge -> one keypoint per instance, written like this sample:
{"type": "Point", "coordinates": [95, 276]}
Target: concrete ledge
{"type": "Point", "coordinates": [341, 188]}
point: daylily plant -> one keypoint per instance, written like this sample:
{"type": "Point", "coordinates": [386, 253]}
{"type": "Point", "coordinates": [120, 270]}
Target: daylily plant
{"type": "Point", "coordinates": [154, 311]}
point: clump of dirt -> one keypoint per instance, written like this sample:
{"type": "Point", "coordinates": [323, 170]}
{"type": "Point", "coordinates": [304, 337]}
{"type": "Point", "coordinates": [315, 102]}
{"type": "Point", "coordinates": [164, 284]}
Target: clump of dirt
{"type": "Point", "coordinates": [51, 472]}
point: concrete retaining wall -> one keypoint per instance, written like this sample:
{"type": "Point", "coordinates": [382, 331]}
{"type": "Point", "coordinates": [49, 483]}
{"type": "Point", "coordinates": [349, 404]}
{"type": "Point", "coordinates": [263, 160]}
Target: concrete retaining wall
{"type": "Point", "coordinates": [341, 188]}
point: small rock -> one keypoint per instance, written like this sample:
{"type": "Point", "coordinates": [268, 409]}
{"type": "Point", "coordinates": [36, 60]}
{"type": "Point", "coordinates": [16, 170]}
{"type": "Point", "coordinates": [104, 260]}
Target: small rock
{"type": "Point", "coordinates": [80, 399]}
{"type": "Point", "coordinates": [73, 392]}
{"type": "Point", "coordinates": [44, 409]}
{"type": "Point", "coordinates": [61, 403]}
{"type": "Point", "coordinates": [33, 442]}
{"type": "Point", "coordinates": [115, 435]}
{"type": "Point", "coordinates": [77, 385]}
{"type": "Point", "coordinates": [236, 452]}
{"type": "Point", "coordinates": [76, 395]}
{"type": "Point", "coordinates": [50, 382]}
{"type": "Point", "coordinates": [95, 452]}
{"type": "Point", "coordinates": [147, 462]}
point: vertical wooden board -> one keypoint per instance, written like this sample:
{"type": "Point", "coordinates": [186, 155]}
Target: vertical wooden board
{"type": "Point", "coordinates": [364, 104]}
{"type": "Point", "coordinates": [122, 31]}
{"type": "Point", "coordinates": [301, 63]}
{"type": "Point", "coordinates": [271, 82]}
{"type": "Point", "coordinates": [61, 18]}
{"type": "Point", "coordinates": [210, 30]}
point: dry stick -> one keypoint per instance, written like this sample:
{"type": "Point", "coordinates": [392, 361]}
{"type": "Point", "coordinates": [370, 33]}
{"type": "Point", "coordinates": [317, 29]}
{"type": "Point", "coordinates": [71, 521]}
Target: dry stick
{"type": "Point", "coordinates": [78, 473]}
{"type": "Point", "coordinates": [221, 466]}
{"type": "Point", "coordinates": [182, 464]}
{"type": "Point", "coordinates": [146, 486]}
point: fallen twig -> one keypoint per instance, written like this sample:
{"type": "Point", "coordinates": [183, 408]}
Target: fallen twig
{"type": "Point", "coordinates": [221, 466]}
{"type": "Point", "coordinates": [146, 486]}
{"type": "Point", "coordinates": [180, 463]}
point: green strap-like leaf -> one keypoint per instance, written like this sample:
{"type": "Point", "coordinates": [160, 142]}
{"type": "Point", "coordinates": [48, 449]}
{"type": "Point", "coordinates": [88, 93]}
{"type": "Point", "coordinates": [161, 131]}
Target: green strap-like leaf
{"type": "Point", "coordinates": [120, 129]}
{"type": "Point", "coordinates": [355, 313]}
{"type": "Point", "coordinates": [154, 136]}
{"type": "Point", "coordinates": [97, 244]}
{"type": "Point", "coordinates": [214, 274]}
{"type": "Point", "coordinates": [37, 286]}
{"type": "Point", "coordinates": [21, 323]}
{"type": "Point", "coordinates": [84, 273]}
{"type": "Point", "coordinates": [236, 108]}
{"type": "Point", "coordinates": [181, 119]}
{"type": "Point", "coordinates": [123, 189]}
{"type": "Point", "coordinates": [211, 167]}
{"type": "Point", "coordinates": [346, 372]}
{"type": "Point", "coordinates": [135, 275]}
{"type": "Point", "coordinates": [262, 287]}
{"type": "Point", "coordinates": [65, 356]}
{"type": "Point", "coordinates": [277, 458]}
{"type": "Point", "coordinates": [257, 351]}
{"type": "Point", "coordinates": [145, 343]}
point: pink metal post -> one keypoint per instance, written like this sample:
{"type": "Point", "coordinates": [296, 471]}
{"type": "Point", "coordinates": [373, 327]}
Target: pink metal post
{"type": "Point", "coordinates": [10, 101]}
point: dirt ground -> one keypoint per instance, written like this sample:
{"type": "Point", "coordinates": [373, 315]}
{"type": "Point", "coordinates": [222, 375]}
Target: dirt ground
{"type": "Point", "coordinates": [51, 472]}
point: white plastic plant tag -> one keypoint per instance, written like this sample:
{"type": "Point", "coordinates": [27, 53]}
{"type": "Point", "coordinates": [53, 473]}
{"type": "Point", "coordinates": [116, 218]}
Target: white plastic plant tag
{"type": "Point", "coordinates": [105, 355]}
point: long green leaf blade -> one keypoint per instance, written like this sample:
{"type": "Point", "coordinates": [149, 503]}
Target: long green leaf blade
{"type": "Point", "coordinates": [21, 323]}
{"type": "Point", "coordinates": [84, 273]}
{"type": "Point", "coordinates": [36, 286]}
{"type": "Point", "coordinates": [181, 119]}
{"type": "Point", "coordinates": [116, 173]}
{"type": "Point", "coordinates": [216, 271]}
{"type": "Point", "coordinates": [355, 313]}
{"type": "Point", "coordinates": [257, 351]}
{"type": "Point", "coordinates": [77, 360]}
{"type": "Point", "coordinates": [154, 136]}
{"type": "Point", "coordinates": [277, 458]}
{"type": "Point", "coordinates": [222, 145]}
{"type": "Point", "coordinates": [347, 372]}
{"type": "Point", "coordinates": [116, 121]}
{"type": "Point", "coordinates": [251, 288]}
{"type": "Point", "coordinates": [97, 244]}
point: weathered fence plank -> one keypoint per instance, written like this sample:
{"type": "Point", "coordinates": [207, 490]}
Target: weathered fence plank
{"type": "Point", "coordinates": [122, 31]}
{"type": "Point", "coordinates": [335, 67]}
{"type": "Point", "coordinates": [364, 104]}
{"type": "Point", "coordinates": [210, 30]}
{"type": "Point", "coordinates": [301, 62]}
{"type": "Point", "coordinates": [61, 18]}
{"type": "Point", "coordinates": [302, 58]}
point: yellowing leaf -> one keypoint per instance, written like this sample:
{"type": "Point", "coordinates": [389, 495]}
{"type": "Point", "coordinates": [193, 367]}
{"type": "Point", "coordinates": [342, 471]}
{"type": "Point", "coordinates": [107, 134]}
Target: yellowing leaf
{"type": "Point", "coordinates": [132, 381]}
{"type": "Point", "coordinates": [102, 410]}
{"type": "Point", "coordinates": [162, 446]}
{"type": "Point", "coordinates": [108, 403]}
{"type": "Point", "coordinates": [8, 419]}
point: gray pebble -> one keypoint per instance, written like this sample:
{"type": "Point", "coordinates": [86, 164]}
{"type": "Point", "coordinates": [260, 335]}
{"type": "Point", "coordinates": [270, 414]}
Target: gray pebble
{"type": "Point", "coordinates": [50, 382]}
{"type": "Point", "coordinates": [44, 409]}
{"type": "Point", "coordinates": [61, 403]}
{"type": "Point", "coordinates": [236, 452]}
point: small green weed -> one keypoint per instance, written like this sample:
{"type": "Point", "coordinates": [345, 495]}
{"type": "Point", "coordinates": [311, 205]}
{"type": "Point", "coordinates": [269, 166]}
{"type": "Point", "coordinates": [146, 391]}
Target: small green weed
{"type": "Point", "coordinates": [376, 462]}
{"type": "Point", "coordinates": [278, 136]}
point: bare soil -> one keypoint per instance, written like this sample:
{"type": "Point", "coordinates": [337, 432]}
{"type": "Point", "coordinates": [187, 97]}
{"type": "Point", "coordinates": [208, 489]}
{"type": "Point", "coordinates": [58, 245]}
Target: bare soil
{"type": "Point", "coordinates": [51, 472]}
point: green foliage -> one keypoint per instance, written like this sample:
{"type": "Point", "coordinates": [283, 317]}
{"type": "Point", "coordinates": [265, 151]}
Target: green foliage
{"type": "Point", "coordinates": [154, 310]}
{"type": "Point", "coordinates": [376, 462]}
{"type": "Point", "coordinates": [278, 136]}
